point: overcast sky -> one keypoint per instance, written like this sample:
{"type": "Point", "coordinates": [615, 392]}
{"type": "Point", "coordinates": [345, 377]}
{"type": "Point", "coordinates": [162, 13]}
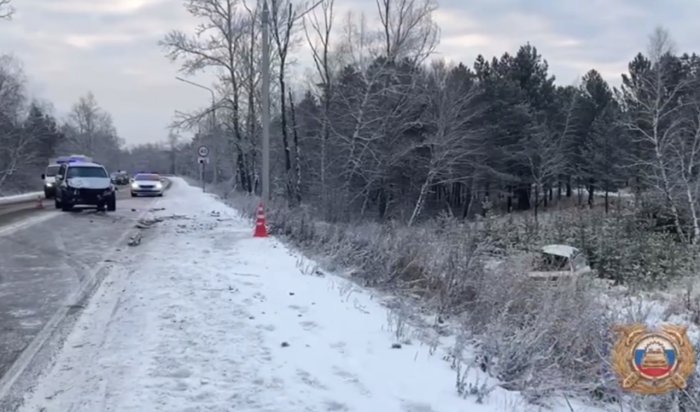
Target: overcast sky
{"type": "Point", "coordinates": [110, 47]}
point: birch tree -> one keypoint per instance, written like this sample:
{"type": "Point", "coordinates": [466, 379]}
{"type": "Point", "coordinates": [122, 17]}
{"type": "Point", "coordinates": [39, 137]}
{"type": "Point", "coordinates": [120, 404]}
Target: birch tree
{"type": "Point", "coordinates": [318, 25]}
{"type": "Point", "coordinates": [14, 144]}
{"type": "Point", "coordinates": [407, 29]}
{"type": "Point", "coordinates": [543, 152]}
{"type": "Point", "coordinates": [653, 94]}
{"type": "Point", "coordinates": [381, 107]}
{"type": "Point", "coordinates": [685, 168]}
{"type": "Point", "coordinates": [173, 144]}
{"type": "Point", "coordinates": [89, 130]}
{"type": "Point", "coordinates": [452, 140]}
{"type": "Point", "coordinates": [216, 44]}
{"type": "Point", "coordinates": [251, 75]}
{"type": "Point", "coordinates": [282, 22]}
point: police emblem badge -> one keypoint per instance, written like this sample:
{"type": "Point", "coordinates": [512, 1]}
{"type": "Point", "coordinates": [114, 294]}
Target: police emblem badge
{"type": "Point", "coordinates": [653, 362]}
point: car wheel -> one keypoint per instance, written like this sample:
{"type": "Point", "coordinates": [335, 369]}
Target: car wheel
{"type": "Point", "coordinates": [112, 203]}
{"type": "Point", "coordinates": [66, 207]}
{"type": "Point", "coordinates": [133, 194]}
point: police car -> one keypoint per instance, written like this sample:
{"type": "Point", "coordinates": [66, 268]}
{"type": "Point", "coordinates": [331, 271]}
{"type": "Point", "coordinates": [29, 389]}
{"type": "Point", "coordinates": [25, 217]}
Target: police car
{"type": "Point", "coordinates": [84, 183]}
{"type": "Point", "coordinates": [49, 176]}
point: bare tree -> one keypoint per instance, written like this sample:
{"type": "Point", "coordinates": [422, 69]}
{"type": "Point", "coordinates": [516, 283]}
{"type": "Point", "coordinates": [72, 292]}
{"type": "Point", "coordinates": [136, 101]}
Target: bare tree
{"type": "Point", "coordinates": [14, 152]}
{"type": "Point", "coordinates": [12, 88]}
{"type": "Point", "coordinates": [251, 78]}
{"type": "Point", "coordinates": [317, 27]}
{"type": "Point", "coordinates": [173, 145]}
{"type": "Point", "coordinates": [452, 140]}
{"type": "Point", "coordinates": [216, 44]}
{"type": "Point", "coordinates": [297, 152]}
{"type": "Point", "coordinates": [376, 111]}
{"type": "Point", "coordinates": [408, 29]}
{"type": "Point", "coordinates": [90, 130]}
{"type": "Point", "coordinates": [14, 143]}
{"type": "Point", "coordinates": [660, 44]}
{"type": "Point", "coordinates": [282, 22]}
{"type": "Point", "coordinates": [685, 162]}
{"type": "Point", "coordinates": [284, 18]}
{"type": "Point", "coordinates": [544, 155]}
{"type": "Point", "coordinates": [6, 9]}
{"type": "Point", "coordinates": [654, 103]}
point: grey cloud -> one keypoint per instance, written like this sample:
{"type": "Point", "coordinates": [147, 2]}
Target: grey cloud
{"type": "Point", "coordinates": [110, 47]}
{"type": "Point", "coordinates": [573, 36]}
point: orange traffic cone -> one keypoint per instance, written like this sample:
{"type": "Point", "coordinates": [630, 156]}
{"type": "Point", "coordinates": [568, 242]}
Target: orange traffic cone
{"type": "Point", "coordinates": [39, 203]}
{"type": "Point", "coordinates": [260, 227]}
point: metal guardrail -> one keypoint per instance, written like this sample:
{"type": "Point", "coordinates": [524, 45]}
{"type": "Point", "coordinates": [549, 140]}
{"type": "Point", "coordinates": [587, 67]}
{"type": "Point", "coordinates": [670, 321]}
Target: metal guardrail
{"type": "Point", "coordinates": [20, 203]}
{"type": "Point", "coordinates": [23, 198]}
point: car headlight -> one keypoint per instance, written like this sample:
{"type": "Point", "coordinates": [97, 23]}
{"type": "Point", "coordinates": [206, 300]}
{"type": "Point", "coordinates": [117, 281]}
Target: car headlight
{"type": "Point", "coordinates": [134, 185]}
{"type": "Point", "coordinates": [49, 184]}
{"type": "Point", "coordinates": [159, 185]}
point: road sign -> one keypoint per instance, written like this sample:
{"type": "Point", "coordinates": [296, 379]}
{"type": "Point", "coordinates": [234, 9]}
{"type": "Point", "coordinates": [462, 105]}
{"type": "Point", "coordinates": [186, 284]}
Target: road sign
{"type": "Point", "coordinates": [203, 151]}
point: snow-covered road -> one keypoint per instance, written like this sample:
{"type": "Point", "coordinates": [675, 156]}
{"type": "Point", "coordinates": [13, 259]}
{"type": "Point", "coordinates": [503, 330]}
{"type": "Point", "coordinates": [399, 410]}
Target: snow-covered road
{"type": "Point", "coordinates": [204, 317]}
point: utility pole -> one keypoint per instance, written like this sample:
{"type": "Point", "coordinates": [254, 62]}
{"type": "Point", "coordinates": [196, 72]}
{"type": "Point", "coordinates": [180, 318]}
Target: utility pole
{"type": "Point", "coordinates": [265, 104]}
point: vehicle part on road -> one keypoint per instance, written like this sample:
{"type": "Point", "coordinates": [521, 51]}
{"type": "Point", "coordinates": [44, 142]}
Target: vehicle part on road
{"type": "Point", "coordinates": [135, 240]}
{"type": "Point", "coordinates": [260, 226]}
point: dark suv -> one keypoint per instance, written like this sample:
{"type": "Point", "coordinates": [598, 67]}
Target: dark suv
{"type": "Point", "coordinates": [120, 178]}
{"type": "Point", "coordinates": [83, 183]}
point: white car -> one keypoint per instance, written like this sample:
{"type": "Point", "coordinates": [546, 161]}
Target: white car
{"type": "Point", "coordinates": [146, 184]}
{"type": "Point", "coordinates": [84, 183]}
{"type": "Point", "coordinates": [49, 178]}
{"type": "Point", "coordinates": [559, 261]}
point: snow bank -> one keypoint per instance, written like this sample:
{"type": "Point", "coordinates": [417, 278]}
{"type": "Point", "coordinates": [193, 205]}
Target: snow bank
{"type": "Point", "coordinates": [25, 197]}
{"type": "Point", "coordinates": [202, 316]}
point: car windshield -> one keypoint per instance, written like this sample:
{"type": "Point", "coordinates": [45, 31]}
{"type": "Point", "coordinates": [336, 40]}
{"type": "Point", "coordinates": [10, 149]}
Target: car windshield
{"type": "Point", "coordinates": [547, 263]}
{"type": "Point", "coordinates": [87, 171]}
{"type": "Point", "coordinates": [52, 170]}
{"type": "Point", "coordinates": [152, 178]}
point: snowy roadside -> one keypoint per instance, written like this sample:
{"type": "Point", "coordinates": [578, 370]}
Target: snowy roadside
{"type": "Point", "coordinates": [205, 317]}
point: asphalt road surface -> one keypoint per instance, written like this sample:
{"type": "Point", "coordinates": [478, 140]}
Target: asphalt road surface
{"type": "Point", "coordinates": [45, 255]}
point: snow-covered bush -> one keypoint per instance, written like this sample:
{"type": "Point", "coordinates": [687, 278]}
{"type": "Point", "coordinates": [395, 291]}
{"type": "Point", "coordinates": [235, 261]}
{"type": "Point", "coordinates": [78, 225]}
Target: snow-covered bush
{"type": "Point", "coordinates": [623, 247]}
{"type": "Point", "coordinates": [537, 338]}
